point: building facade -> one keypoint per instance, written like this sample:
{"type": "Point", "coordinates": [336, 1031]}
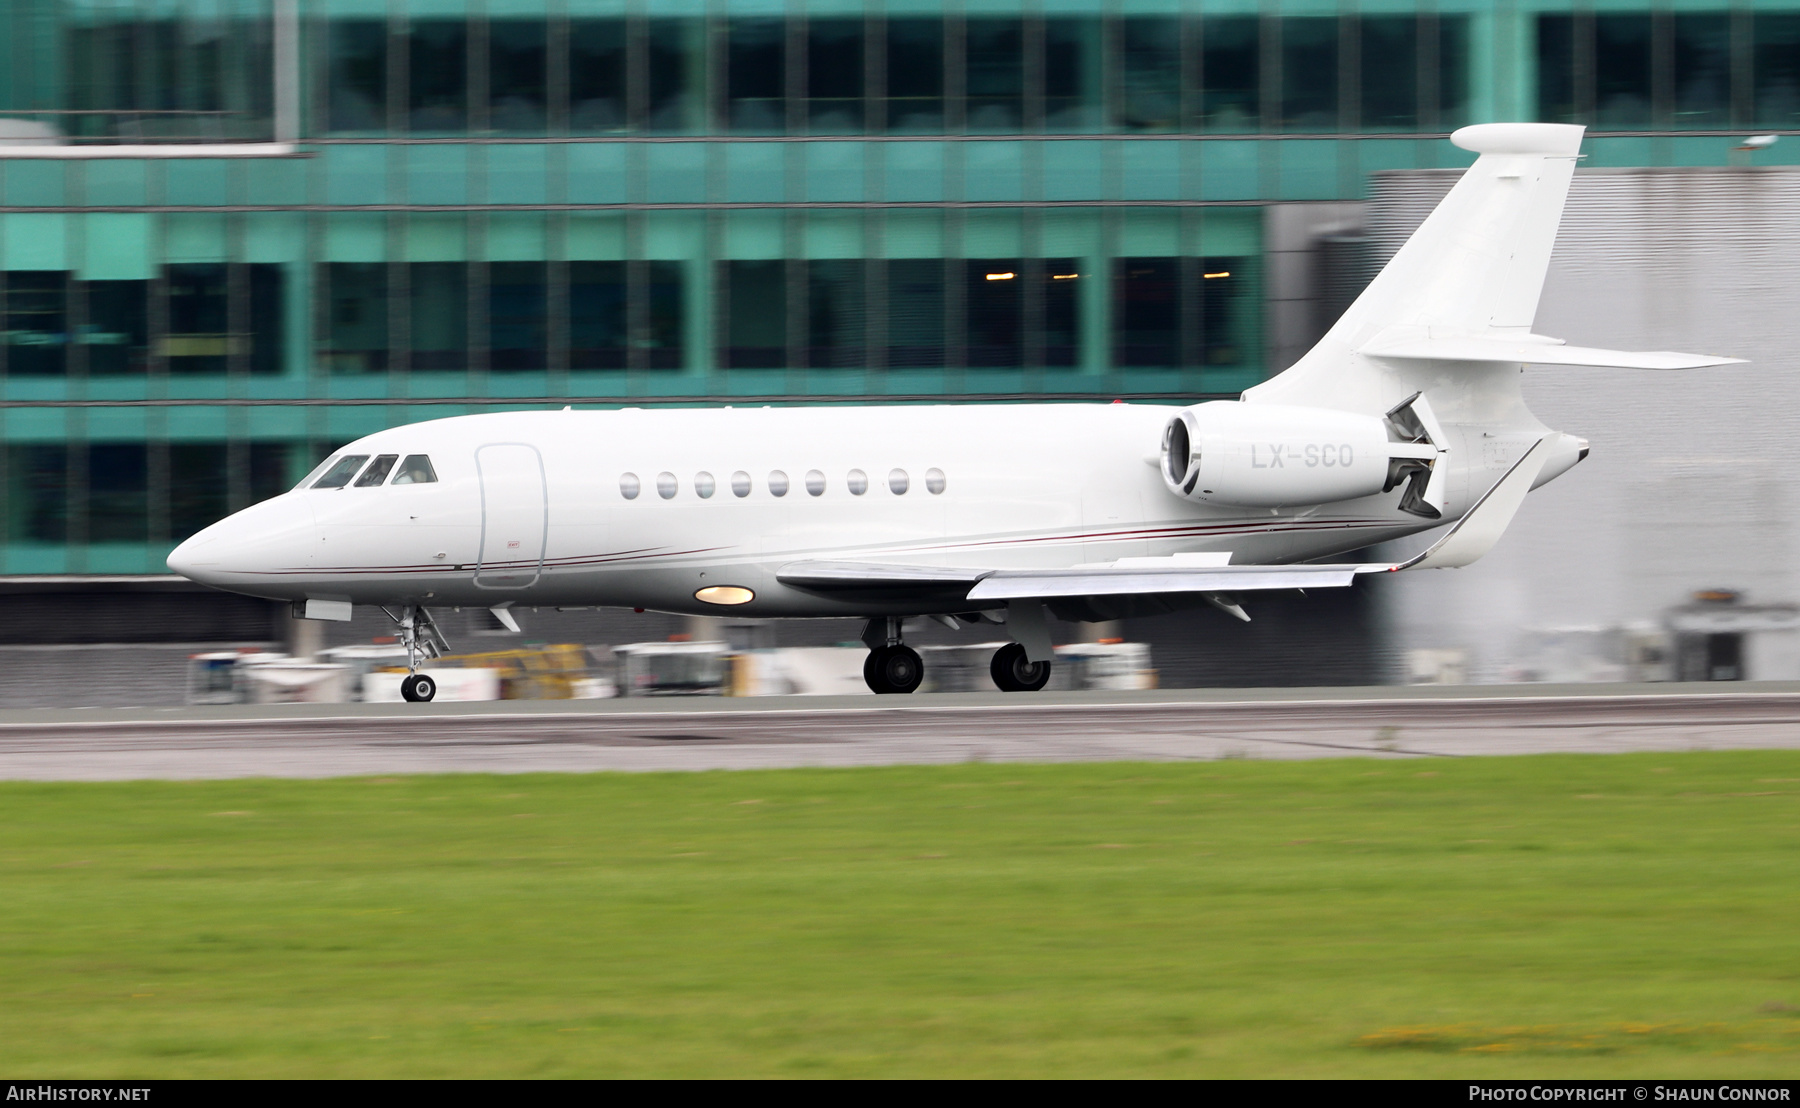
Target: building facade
{"type": "Point", "coordinates": [235, 233]}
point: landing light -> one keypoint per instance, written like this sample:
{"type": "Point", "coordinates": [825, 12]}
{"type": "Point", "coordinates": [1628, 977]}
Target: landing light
{"type": "Point", "coordinates": [1210, 276]}
{"type": "Point", "coordinates": [1001, 276]}
{"type": "Point", "coordinates": [1064, 276]}
{"type": "Point", "coordinates": [725, 594]}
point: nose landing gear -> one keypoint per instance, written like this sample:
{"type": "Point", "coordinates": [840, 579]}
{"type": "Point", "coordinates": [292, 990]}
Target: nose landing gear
{"type": "Point", "coordinates": [420, 635]}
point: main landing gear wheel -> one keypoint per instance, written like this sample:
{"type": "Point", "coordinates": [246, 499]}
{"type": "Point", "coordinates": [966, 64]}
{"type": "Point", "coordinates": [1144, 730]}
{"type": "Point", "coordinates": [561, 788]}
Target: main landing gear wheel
{"type": "Point", "coordinates": [893, 669]}
{"type": "Point", "coordinates": [1013, 673]}
{"type": "Point", "coordinates": [418, 688]}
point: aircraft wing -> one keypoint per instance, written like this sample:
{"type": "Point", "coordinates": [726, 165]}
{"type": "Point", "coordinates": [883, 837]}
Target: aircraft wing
{"type": "Point", "coordinates": [1468, 539]}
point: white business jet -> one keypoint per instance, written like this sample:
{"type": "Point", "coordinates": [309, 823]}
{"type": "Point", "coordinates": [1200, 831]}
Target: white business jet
{"type": "Point", "coordinates": [1406, 416]}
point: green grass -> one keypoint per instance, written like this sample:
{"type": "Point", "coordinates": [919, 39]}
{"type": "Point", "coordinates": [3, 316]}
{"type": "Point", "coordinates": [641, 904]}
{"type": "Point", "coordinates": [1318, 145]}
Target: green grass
{"type": "Point", "coordinates": [1566, 915]}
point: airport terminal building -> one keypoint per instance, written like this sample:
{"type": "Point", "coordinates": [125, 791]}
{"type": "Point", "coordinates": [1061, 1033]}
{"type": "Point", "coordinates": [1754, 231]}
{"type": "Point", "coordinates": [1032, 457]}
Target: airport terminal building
{"type": "Point", "coordinates": [236, 233]}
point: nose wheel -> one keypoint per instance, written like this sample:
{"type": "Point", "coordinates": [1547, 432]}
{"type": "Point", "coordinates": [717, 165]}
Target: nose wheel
{"type": "Point", "coordinates": [1013, 672]}
{"type": "Point", "coordinates": [893, 669]}
{"type": "Point", "coordinates": [418, 688]}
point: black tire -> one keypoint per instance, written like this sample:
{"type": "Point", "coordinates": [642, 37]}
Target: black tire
{"type": "Point", "coordinates": [418, 688]}
{"type": "Point", "coordinates": [1013, 673]}
{"type": "Point", "coordinates": [893, 669]}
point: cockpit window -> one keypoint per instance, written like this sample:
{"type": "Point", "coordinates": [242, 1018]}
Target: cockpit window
{"type": "Point", "coordinates": [378, 470]}
{"type": "Point", "coordinates": [306, 482]}
{"type": "Point", "coordinates": [416, 470]}
{"type": "Point", "coordinates": [339, 475]}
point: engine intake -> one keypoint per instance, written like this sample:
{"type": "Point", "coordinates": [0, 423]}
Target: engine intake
{"type": "Point", "coordinates": [1277, 455]}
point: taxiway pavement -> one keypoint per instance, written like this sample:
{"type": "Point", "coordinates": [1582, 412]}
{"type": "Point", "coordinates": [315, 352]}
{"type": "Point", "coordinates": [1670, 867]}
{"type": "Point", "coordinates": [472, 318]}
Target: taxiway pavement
{"type": "Point", "coordinates": [711, 734]}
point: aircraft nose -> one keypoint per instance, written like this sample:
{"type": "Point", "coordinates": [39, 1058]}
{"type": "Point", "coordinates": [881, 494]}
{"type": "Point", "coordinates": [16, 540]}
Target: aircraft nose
{"type": "Point", "coordinates": [239, 549]}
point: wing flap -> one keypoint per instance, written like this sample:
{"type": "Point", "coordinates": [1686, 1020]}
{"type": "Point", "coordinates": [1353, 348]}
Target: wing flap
{"type": "Point", "coordinates": [1014, 584]}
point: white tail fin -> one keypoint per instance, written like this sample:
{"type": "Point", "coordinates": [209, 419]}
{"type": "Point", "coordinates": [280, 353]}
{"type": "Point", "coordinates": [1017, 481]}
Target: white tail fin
{"type": "Point", "coordinates": [1477, 264]}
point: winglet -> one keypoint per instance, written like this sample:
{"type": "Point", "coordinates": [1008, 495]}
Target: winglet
{"type": "Point", "coordinates": [1482, 525]}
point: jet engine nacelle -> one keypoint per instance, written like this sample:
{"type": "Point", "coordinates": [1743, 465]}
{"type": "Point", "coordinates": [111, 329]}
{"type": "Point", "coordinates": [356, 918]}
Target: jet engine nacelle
{"type": "Point", "coordinates": [1276, 455]}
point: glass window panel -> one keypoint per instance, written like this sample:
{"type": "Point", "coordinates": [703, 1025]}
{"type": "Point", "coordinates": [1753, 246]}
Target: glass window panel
{"type": "Point", "coordinates": [356, 336]}
{"type": "Point", "coordinates": [1309, 74]}
{"type": "Point", "coordinates": [1147, 311]}
{"type": "Point", "coordinates": [835, 318]}
{"type": "Point", "coordinates": [1390, 72]}
{"type": "Point", "coordinates": [339, 475]}
{"type": "Point", "coordinates": [267, 317]}
{"type": "Point", "coordinates": [516, 76]}
{"type": "Point", "coordinates": [37, 504]}
{"type": "Point", "coordinates": [195, 78]}
{"type": "Point", "coordinates": [995, 49]}
{"type": "Point", "coordinates": [517, 315]}
{"type": "Point", "coordinates": [915, 313]}
{"type": "Point", "coordinates": [199, 295]}
{"type": "Point", "coordinates": [834, 76]}
{"type": "Point", "coordinates": [677, 63]}
{"type": "Point", "coordinates": [756, 77]}
{"type": "Point", "coordinates": [197, 487]}
{"type": "Point", "coordinates": [1622, 71]}
{"type": "Point", "coordinates": [440, 313]}
{"type": "Point", "coordinates": [1150, 77]}
{"type": "Point", "coordinates": [1227, 310]}
{"type": "Point", "coordinates": [915, 76]}
{"type": "Point", "coordinates": [269, 469]}
{"type": "Point", "coordinates": [665, 316]}
{"type": "Point", "coordinates": [995, 301]}
{"type": "Point", "coordinates": [1702, 50]}
{"type": "Point", "coordinates": [1062, 314]}
{"type": "Point", "coordinates": [1453, 71]}
{"type": "Point", "coordinates": [1230, 74]}
{"type": "Point", "coordinates": [437, 64]}
{"type": "Point", "coordinates": [356, 76]}
{"type": "Point", "coordinates": [1072, 76]}
{"type": "Point", "coordinates": [117, 333]}
{"type": "Point", "coordinates": [37, 322]}
{"type": "Point", "coordinates": [756, 333]}
{"type": "Point", "coordinates": [417, 470]}
{"type": "Point", "coordinates": [378, 471]}
{"type": "Point", "coordinates": [597, 315]}
{"type": "Point", "coordinates": [1777, 70]}
{"type": "Point", "coordinates": [596, 76]}
{"type": "Point", "coordinates": [1556, 68]}
{"type": "Point", "coordinates": [118, 492]}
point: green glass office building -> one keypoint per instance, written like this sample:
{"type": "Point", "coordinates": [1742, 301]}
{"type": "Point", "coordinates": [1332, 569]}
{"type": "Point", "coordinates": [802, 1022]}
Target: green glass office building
{"type": "Point", "coordinates": [234, 233]}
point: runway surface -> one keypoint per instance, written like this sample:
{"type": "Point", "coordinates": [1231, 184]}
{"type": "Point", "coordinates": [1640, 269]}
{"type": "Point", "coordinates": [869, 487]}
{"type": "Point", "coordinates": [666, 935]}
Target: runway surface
{"type": "Point", "coordinates": [709, 734]}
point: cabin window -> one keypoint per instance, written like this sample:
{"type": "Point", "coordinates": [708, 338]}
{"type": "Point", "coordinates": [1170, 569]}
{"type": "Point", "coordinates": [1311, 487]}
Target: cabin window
{"type": "Point", "coordinates": [339, 475]}
{"type": "Point", "coordinates": [630, 486]}
{"type": "Point", "coordinates": [667, 486]}
{"type": "Point", "coordinates": [416, 470]}
{"type": "Point", "coordinates": [857, 481]}
{"type": "Point", "coordinates": [740, 484]}
{"type": "Point", "coordinates": [898, 482]}
{"type": "Point", "coordinates": [778, 483]}
{"type": "Point", "coordinates": [815, 483]}
{"type": "Point", "coordinates": [704, 485]}
{"type": "Point", "coordinates": [378, 471]}
{"type": "Point", "coordinates": [934, 481]}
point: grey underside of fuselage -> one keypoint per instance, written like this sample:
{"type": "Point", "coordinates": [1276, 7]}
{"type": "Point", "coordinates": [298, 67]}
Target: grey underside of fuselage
{"type": "Point", "coordinates": [670, 587]}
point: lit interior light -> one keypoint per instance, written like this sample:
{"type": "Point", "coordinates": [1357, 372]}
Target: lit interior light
{"type": "Point", "coordinates": [1064, 276]}
{"type": "Point", "coordinates": [1210, 276]}
{"type": "Point", "coordinates": [1001, 276]}
{"type": "Point", "coordinates": [725, 594]}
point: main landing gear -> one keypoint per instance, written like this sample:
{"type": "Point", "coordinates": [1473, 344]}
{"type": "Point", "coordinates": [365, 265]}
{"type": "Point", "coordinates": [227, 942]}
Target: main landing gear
{"type": "Point", "coordinates": [420, 635]}
{"type": "Point", "coordinates": [894, 667]}
{"type": "Point", "coordinates": [1014, 673]}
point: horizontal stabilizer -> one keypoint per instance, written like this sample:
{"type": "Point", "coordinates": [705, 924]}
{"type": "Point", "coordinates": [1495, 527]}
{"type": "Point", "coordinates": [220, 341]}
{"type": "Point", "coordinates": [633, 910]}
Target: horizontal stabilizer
{"type": "Point", "coordinates": [1539, 352]}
